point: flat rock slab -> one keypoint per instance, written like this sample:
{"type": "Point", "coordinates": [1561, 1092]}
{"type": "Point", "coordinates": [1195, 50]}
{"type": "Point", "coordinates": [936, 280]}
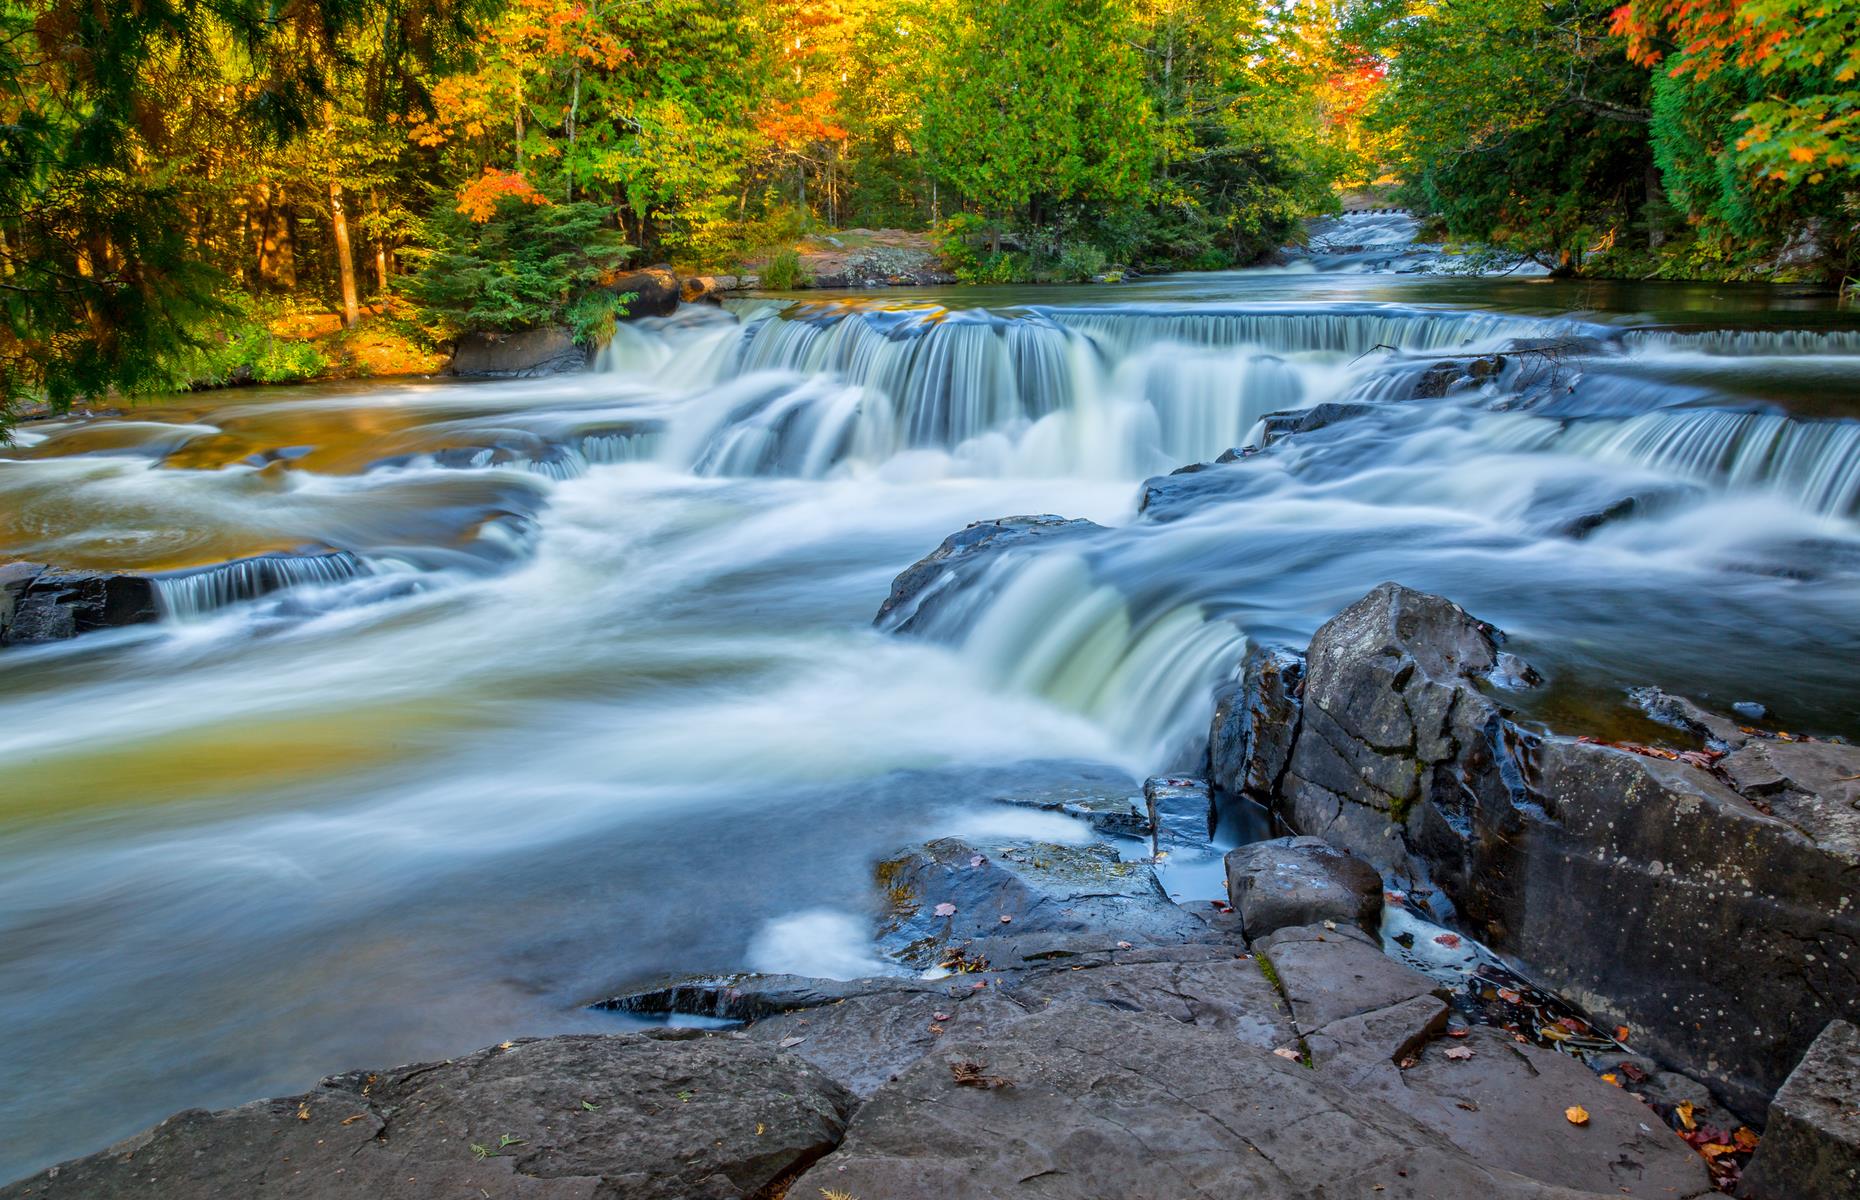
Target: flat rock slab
{"type": "Point", "coordinates": [1507, 1104]}
{"type": "Point", "coordinates": [567, 1118]}
{"type": "Point", "coordinates": [1330, 975]}
{"type": "Point", "coordinates": [1085, 1101]}
{"type": "Point", "coordinates": [1301, 881]}
{"type": "Point", "coordinates": [1811, 1145]}
{"type": "Point", "coordinates": [956, 904]}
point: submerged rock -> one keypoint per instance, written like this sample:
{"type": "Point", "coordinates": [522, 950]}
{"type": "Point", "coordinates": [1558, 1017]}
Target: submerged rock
{"type": "Point", "coordinates": [1649, 891]}
{"type": "Point", "coordinates": [44, 604]}
{"type": "Point", "coordinates": [1181, 810]}
{"type": "Point", "coordinates": [525, 354]}
{"type": "Point", "coordinates": [1255, 725]}
{"type": "Point", "coordinates": [659, 1117]}
{"type": "Point", "coordinates": [1301, 881]}
{"type": "Point", "coordinates": [1811, 1142]}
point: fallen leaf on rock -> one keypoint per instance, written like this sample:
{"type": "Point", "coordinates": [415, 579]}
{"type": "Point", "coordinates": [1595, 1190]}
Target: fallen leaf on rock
{"type": "Point", "coordinates": [1449, 940]}
{"type": "Point", "coordinates": [1575, 1114]}
{"type": "Point", "coordinates": [1468, 1105]}
{"type": "Point", "coordinates": [1746, 1138]}
{"type": "Point", "coordinates": [789, 1042]}
{"type": "Point", "coordinates": [1621, 1033]}
{"type": "Point", "coordinates": [939, 1016]}
{"type": "Point", "coordinates": [1006, 920]}
{"type": "Point", "coordinates": [968, 1074]}
{"type": "Point", "coordinates": [1283, 1052]}
{"type": "Point", "coordinates": [1613, 1078]}
{"type": "Point", "coordinates": [1714, 1149]}
{"type": "Point", "coordinates": [1123, 945]}
{"type": "Point", "coordinates": [1330, 924]}
{"type": "Point", "coordinates": [303, 1112]}
{"type": "Point", "coordinates": [358, 1116]}
{"type": "Point", "coordinates": [1554, 1033]}
{"type": "Point", "coordinates": [1509, 996]}
{"type": "Point", "coordinates": [1572, 1024]}
{"type": "Point", "coordinates": [937, 1030]}
{"type": "Point", "coordinates": [1459, 1053]}
{"type": "Point", "coordinates": [1393, 897]}
{"type": "Point", "coordinates": [1408, 1062]}
{"type": "Point", "coordinates": [1683, 1110]}
{"type": "Point", "coordinates": [1458, 1031]}
{"type": "Point", "coordinates": [945, 910]}
{"type": "Point", "coordinates": [978, 985]}
{"type": "Point", "coordinates": [1634, 1073]}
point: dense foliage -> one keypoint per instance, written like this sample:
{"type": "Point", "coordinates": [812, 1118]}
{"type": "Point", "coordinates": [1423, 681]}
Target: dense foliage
{"type": "Point", "coordinates": [1711, 138]}
{"type": "Point", "coordinates": [172, 170]}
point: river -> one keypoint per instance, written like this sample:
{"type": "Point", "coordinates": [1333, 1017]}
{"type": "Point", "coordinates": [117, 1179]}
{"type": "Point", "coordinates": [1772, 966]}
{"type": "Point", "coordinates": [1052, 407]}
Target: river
{"type": "Point", "coordinates": [592, 692]}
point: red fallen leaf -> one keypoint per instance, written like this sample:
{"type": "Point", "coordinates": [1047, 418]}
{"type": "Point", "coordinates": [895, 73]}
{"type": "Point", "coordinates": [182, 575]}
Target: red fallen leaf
{"type": "Point", "coordinates": [945, 910]}
{"type": "Point", "coordinates": [1745, 1138]}
{"type": "Point", "coordinates": [1634, 1073]}
{"type": "Point", "coordinates": [1572, 1024]}
{"type": "Point", "coordinates": [1394, 897]}
{"type": "Point", "coordinates": [1459, 1053]}
{"type": "Point", "coordinates": [1448, 940]}
{"type": "Point", "coordinates": [1700, 758]}
{"type": "Point", "coordinates": [1510, 996]}
{"type": "Point", "coordinates": [1458, 1031]}
{"type": "Point", "coordinates": [939, 1016]}
{"type": "Point", "coordinates": [1621, 1033]}
{"type": "Point", "coordinates": [1222, 908]}
{"type": "Point", "coordinates": [978, 985]}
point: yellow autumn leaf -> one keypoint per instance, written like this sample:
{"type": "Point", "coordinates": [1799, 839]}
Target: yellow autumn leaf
{"type": "Point", "coordinates": [1575, 1114]}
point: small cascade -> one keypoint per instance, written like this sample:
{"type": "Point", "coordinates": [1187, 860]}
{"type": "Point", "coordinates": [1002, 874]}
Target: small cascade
{"type": "Point", "coordinates": [186, 595]}
{"type": "Point", "coordinates": [1815, 464]}
{"type": "Point", "coordinates": [1748, 342]}
{"type": "Point", "coordinates": [1306, 330]}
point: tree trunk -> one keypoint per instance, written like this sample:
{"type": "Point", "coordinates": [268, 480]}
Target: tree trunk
{"type": "Point", "coordinates": [574, 109]}
{"type": "Point", "coordinates": [345, 260]}
{"type": "Point", "coordinates": [381, 254]}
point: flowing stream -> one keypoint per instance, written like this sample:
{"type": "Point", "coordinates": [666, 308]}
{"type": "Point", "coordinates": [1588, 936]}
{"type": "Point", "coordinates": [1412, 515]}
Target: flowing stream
{"type": "Point", "coordinates": [518, 692]}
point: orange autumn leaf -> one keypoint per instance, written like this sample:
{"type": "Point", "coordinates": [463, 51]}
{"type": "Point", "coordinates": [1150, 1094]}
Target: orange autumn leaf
{"type": "Point", "coordinates": [1575, 1114]}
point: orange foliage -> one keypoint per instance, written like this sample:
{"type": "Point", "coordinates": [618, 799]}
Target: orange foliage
{"type": "Point", "coordinates": [479, 198]}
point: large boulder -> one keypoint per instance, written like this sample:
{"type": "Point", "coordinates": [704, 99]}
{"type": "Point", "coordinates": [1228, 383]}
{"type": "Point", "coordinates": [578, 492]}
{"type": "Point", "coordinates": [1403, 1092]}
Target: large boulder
{"type": "Point", "coordinates": [1811, 1142]}
{"type": "Point", "coordinates": [1718, 925]}
{"type": "Point", "coordinates": [920, 587]}
{"type": "Point", "coordinates": [1089, 1101]}
{"type": "Point", "coordinates": [657, 1117]}
{"type": "Point", "coordinates": [548, 350]}
{"type": "Point", "coordinates": [648, 292]}
{"type": "Point", "coordinates": [44, 604]}
{"type": "Point", "coordinates": [1301, 881]}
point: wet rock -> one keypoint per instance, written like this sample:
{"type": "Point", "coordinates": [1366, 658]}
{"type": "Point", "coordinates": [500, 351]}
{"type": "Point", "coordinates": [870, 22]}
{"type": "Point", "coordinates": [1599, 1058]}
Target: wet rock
{"type": "Point", "coordinates": [700, 289]}
{"type": "Point", "coordinates": [750, 996]}
{"type": "Point", "coordinates": [671, 1116]}
{"type": "Point", "coordinates": [651, 291]}
{"type": "Point", "coordinates": [1070, 1103]}
{"type": "Point", "coordinates": [1111, 808]}
{"type": "Point", "coordinates": [1750, 710]}
{"type": "Point", "coordinates": [1301, 881]}
{"type": "Point", "coordinates": [1649, 892]}
{"type": "Point", "coordinates": [917, 590]}
{"type": "Point", "coordinates": [15, 578]}
{"type": "Point", "coordinates": [1579, 507]}
{"type": "Point", "coordinates": [1281, 425]}
{"type": "Point", "coordinates": [944, 903]}
{"type": "Point", "coordinates": [1255, 725]}
{"type": "Point", "coordinates": [1811, 1142]}
{"type": "Point", "coordinates": [526, 354]}
{"type": "Point", "coordinates": [44, 604]}
{"type": "Point", "coordinates": [1181, 810]}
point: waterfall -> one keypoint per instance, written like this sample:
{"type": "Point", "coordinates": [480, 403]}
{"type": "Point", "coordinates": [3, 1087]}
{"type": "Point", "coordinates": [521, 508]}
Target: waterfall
{"type": "Point", "coordinates": [1815, 464]}
{"type": "Point", "coordinates": [1292, 330]}
{"type": "Point", "coordinates": [185, 595]}
{"type": "Point", "coordinates": [1749, 342]}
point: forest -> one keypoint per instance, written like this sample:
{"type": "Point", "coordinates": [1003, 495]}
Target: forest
{"type": "Point", "coordinates": [181, 178]}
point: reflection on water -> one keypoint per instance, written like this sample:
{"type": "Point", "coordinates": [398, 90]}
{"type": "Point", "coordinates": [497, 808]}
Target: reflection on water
{"type": "Point", "coordinates": [584, 686]}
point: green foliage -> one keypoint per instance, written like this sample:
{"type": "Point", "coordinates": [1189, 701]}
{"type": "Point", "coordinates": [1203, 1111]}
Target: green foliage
{"type": "Point", "coordinates": [784, 272]}
{"type": "Point", "coordinates": [529, 265]}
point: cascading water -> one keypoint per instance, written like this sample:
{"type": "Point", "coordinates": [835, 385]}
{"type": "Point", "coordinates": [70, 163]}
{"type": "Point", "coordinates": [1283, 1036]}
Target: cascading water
{"type": "Point", "coordinates": [635, 719]}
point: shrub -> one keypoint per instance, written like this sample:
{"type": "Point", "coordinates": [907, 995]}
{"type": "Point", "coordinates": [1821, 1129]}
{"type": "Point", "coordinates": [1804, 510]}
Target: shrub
{"type": "Point", "coordinates": [783, 272]}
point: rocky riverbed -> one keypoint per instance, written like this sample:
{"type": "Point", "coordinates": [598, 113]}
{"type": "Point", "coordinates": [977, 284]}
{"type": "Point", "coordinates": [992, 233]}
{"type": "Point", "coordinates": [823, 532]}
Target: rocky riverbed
{"type": "Point", "coordinates": [1050, 1022]}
